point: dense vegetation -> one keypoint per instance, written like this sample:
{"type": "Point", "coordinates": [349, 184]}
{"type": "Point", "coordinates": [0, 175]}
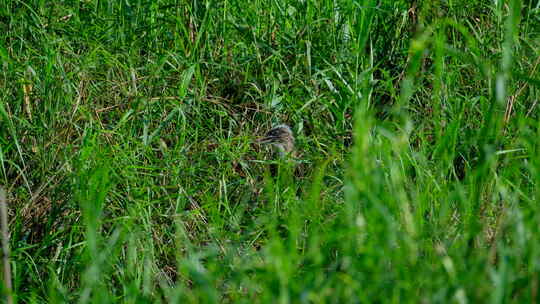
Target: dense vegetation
{"type": "Point", "coordinates": [127, 149]}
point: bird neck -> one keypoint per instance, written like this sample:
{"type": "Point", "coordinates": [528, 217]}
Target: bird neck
{"type": "Point", "coordinates": [284, 150]}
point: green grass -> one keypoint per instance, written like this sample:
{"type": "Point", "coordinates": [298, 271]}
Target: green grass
{"type": "Point", "coordinates": [127, 133]}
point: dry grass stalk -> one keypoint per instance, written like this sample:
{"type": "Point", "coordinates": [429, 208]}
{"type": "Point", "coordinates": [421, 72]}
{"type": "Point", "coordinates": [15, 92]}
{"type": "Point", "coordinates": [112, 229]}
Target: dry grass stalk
{"type": "Point", "coordinates": [5, 245]}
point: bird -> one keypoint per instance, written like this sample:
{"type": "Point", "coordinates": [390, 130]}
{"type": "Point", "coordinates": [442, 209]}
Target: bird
{"type": "Point", "coordinates": [281, 138]}
{"type": "Point", "coordinates": [282, 141]}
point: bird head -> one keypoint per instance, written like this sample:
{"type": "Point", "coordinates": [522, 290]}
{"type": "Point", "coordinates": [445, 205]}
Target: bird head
{"type": "Point", "coordinates": [281, 138]}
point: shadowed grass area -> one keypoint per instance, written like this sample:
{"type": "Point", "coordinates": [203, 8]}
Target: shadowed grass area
{"type": "Point", "coordinates": [128, 150]}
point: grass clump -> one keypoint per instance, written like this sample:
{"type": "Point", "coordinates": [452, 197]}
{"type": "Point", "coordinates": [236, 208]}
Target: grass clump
{"type": "Point", "coordinates": [127, 148]}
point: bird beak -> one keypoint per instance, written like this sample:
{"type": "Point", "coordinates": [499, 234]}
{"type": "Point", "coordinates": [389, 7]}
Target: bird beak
{"type": "Point", "coordinates": [266, 139]}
